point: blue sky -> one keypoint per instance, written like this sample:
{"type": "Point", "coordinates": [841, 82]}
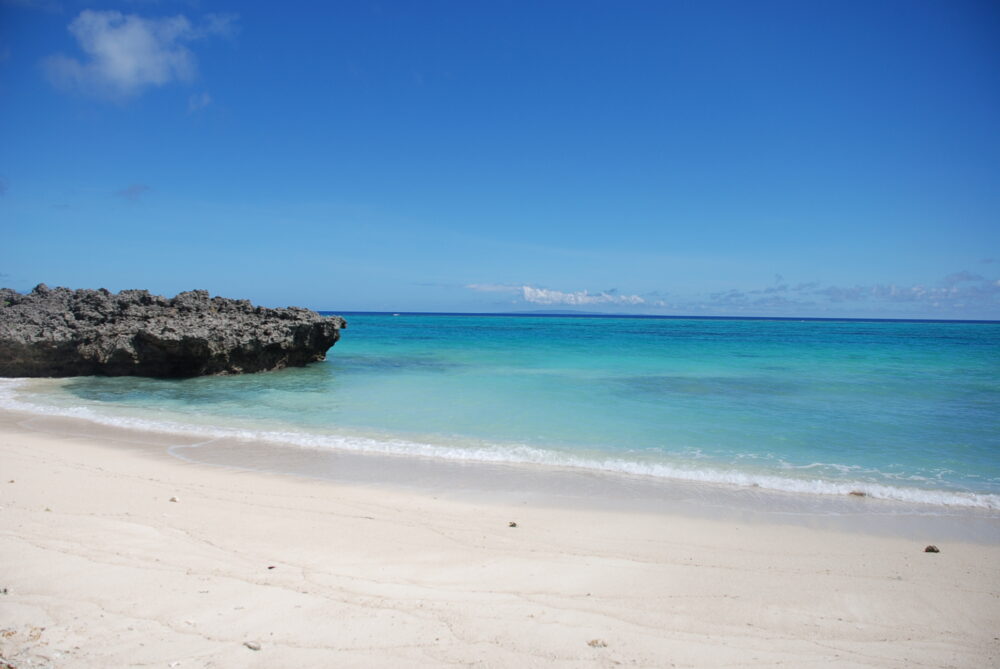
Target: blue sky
{"type": "Point", "coordinates": [725, 158]}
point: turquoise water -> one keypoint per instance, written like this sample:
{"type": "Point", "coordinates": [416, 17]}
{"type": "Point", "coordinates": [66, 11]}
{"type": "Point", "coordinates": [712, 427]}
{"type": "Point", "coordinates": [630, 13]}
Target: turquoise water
{"type": "Point", "coordinates": [899, 410]}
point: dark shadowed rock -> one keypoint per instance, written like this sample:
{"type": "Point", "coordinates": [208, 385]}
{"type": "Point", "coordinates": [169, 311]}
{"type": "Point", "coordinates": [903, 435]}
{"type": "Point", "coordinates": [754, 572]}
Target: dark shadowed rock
{"type": "Point", "coordinates": [63, 332]}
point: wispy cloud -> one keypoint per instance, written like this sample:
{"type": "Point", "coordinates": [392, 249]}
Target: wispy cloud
{"type": "Point", "coordinates": [133, 192]}
{"type": "Point", "coordinates": [125, 53]}
{"type": "Point", "coordinates": [44, 5]}
{"type": "Point", "coordinates": [937, 295]}
{"type": "Point", "coordinates": [959, 290]}
{"type": "Point", "coordinates": [199, 101]}
{"type": "Point", "coordinates": [493, 287]}
{"type": "Point", "coordinates": [962, 277]}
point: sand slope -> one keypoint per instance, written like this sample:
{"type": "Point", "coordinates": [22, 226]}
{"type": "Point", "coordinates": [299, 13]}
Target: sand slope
{"type": "Point", "coordinates": [102, 570]}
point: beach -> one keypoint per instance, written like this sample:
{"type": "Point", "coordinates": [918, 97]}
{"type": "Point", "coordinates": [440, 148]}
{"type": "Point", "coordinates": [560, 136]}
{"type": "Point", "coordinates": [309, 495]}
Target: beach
{"type": "Point", "coordinates": [403, 334]}
{"type": "Point", "coordinates": [249, 569]}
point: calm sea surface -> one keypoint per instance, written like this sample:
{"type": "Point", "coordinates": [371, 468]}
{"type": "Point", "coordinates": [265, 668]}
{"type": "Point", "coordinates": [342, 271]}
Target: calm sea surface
{"type": "Point", "coordinates": [900, 410]}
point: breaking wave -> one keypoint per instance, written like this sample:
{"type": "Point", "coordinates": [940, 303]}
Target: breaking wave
{"type": "Point", "coordinates": [519, 454]}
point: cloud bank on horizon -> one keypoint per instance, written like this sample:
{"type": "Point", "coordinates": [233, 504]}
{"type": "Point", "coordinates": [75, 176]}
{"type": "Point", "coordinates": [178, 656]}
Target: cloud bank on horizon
{"type": "Point", "coordinates": [955, 292]}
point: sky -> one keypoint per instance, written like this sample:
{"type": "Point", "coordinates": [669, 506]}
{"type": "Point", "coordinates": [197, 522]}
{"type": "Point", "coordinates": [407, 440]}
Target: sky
{"type": "Point", "coordinates": [758, 158]}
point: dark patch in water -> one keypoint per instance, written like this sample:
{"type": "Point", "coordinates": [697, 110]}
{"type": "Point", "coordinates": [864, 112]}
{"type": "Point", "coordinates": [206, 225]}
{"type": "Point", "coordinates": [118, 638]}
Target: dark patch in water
{"type": "Point", "coordinates": [135, 390]}
{"type": "Point", "coordinates": [202, 390]}
{"type": "Point", "coordinates": [384, 363]}
{"type": "Point", "coordinates": [325, 378]}
{"type": "Point", "coordinates": [701, 386]}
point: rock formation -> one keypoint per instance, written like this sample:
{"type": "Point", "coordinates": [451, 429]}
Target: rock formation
{"type": "Point", "coordinates": [63, 332]}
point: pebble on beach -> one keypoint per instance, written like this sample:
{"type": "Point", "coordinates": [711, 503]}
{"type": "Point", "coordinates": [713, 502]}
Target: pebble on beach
{"type": "Point", "coordinates": [932, 549]}
{"type": "Point", "coordinates": [512, 524]}
{"type": "Point", "coordinates": [252, 645]}
{"type": "Point", "coordinates": [175, 499]}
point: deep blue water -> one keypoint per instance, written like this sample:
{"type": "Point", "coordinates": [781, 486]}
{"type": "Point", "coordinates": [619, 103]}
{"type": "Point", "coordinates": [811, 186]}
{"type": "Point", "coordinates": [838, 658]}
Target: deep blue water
{"type": "Point", "coordinates": [906, 410]}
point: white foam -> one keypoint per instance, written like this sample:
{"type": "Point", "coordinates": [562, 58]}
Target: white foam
{"type": "Point", "coordinates": [517, 454]}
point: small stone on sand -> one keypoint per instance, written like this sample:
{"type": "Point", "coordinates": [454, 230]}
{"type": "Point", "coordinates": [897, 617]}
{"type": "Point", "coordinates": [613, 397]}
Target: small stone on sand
{"type": "Point", "coordinates": [597, 643]}
{"type": "Point", "coordinates": [252, 645]}
{"type": "Point", "coordinates": [932, 549]}
{"type": "Point", "coordinates": [858, 493]}
{"type": "Point", "coordinates": [512, 524]}
{"type": "Point", "coordinates": [174, 499]}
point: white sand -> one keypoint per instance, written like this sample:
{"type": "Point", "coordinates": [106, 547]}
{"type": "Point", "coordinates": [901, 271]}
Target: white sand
{"type": "Point", "coordinates": [103, 570]}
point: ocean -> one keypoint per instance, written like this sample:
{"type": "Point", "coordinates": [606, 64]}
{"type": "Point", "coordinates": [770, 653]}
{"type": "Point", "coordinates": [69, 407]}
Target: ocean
{"type": "Point", "coordinates": [906, 411]}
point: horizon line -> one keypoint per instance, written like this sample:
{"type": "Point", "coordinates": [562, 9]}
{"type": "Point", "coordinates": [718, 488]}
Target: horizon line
{"type": "Point", "coordinates": [549, 314]}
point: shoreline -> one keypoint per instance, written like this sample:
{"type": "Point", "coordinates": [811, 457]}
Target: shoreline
{"type": "Point", "coordinates": [255, 448]}
{"type": "Point", "coordinates": [102, 569]}
{"type": "Point", "coordinates": [541, 485]}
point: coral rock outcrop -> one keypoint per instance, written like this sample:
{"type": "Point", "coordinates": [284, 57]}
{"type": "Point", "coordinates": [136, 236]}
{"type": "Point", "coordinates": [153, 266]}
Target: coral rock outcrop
{"type": "Point", "coordinates": [63, 332]}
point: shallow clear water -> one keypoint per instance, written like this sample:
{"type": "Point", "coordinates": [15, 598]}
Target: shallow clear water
{"type": "Point", "coordinates": [900, 410]}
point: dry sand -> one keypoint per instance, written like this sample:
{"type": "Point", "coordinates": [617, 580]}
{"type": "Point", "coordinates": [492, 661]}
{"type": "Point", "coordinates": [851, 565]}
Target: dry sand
{"type": "Point", "coordinates": [246, 569]}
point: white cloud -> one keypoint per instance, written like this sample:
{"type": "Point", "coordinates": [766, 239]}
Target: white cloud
{"type": "Point", "coordinates": [125, 53]}
{"type": "Point", "coordinates": [580, 297]}
{"type": "Point", "coordinates": [535, 295]}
